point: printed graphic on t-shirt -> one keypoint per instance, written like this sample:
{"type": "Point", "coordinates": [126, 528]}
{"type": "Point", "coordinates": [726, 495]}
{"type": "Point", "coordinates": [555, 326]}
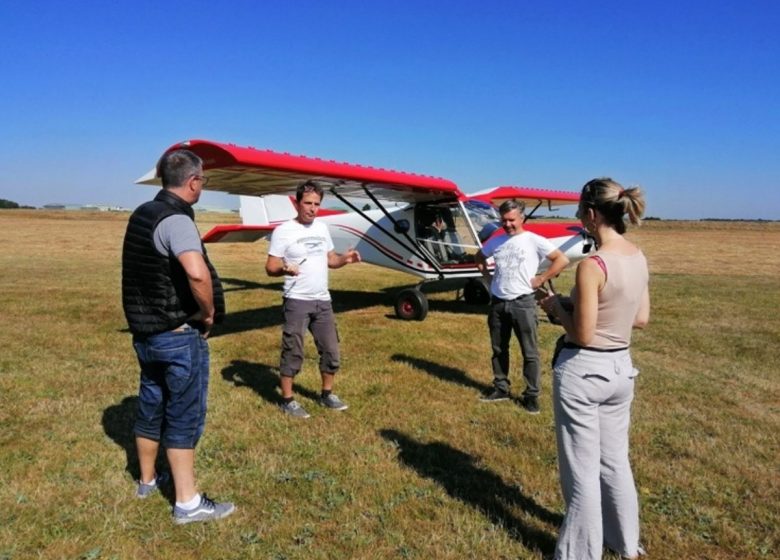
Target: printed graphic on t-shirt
{"type": "Point", "coordinates": [509, 263]}
{"type": "Point", "coordinates": [305, 248]}
{"type": "Point", "coordinates": [517, 259]}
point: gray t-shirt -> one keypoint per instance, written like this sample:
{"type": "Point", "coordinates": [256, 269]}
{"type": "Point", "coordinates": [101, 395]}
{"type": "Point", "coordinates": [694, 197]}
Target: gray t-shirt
{"type": "Point", "coordinates": [175, 235]}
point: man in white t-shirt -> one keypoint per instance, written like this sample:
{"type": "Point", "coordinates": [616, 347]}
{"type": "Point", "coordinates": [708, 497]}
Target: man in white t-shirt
{"type": "Point", "coordinates": [517, 254]}
{"type": "Point", "coordinates": [302, 251]}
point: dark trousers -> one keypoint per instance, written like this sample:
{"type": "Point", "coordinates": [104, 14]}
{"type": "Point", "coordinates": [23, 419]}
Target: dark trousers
{"type": "Point", "coordinates": [518, 316]}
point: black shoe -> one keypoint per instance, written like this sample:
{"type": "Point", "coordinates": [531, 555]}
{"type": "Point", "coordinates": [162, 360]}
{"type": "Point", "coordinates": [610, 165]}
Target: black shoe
{"type": "Point", "coordinates": [496, 396]}
{"type": "Point", "coordinates": [531, 405]}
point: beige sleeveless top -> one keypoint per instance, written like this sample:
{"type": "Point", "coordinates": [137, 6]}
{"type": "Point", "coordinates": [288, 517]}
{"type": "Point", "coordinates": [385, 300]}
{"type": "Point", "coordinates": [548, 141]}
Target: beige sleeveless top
{"type": "Point", "coordinates": [619, 299]}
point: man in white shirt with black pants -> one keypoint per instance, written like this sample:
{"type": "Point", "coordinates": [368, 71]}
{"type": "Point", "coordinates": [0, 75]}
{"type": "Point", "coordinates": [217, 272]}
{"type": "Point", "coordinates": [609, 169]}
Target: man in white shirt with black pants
{"type": "Point", "coordinates": [302, 251]}
{"type": "Point", "coordinates": [517, 254]}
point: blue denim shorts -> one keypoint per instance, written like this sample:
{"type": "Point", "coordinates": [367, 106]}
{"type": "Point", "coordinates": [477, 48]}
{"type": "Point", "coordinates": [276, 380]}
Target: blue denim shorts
{"type": "Point", "coordinates": [174, 387]}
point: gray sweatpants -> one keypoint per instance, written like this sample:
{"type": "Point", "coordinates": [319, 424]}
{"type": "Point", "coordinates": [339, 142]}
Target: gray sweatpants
{"type": "Point", "coordinates": [592, 394]}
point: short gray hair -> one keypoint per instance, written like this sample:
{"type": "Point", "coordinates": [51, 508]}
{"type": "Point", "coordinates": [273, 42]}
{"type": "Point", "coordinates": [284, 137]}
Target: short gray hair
{"type": "Point", "coordinates": [509, 205]}
{"type": "Point", "coordinates": [175, 167]}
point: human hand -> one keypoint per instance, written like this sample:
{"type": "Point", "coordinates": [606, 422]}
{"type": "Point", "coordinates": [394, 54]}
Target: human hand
{"type": "Point", "coordinates": [292, 269]}
{"type": "Point", "coordinates": [541, 293]}
{"type": "Point", "coordinates": [208, 323]}
{"type": "Point", "coordinates": [351, 256]}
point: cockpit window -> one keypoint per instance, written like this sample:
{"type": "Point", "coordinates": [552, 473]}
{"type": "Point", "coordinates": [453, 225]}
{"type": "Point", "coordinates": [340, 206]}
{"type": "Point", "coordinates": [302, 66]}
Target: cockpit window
{"type": "Point", "coordinates": [484, 217]}
{"type": "Point", "coordinates": [443, 231]}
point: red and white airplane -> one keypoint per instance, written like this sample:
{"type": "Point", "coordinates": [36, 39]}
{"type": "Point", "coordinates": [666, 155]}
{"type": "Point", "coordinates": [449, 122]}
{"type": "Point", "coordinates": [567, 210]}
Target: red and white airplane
{"type": "Point", "coordinates": [421, 225]}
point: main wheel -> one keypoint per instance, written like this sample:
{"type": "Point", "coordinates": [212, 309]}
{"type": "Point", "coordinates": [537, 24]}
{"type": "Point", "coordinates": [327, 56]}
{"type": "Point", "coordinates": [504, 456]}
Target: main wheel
{"type": "Point", "coordinates": [476, 292]}
{"type": "Point", "coordinates": [411, 305]}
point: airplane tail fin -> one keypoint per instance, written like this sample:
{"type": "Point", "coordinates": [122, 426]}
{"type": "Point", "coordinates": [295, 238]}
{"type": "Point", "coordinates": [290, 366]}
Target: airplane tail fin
{"type": "Point", "coordinates": [266, 210]}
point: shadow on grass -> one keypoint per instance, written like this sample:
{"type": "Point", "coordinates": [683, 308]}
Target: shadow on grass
{"type": "Point", "coordinates": [262, 379]}
{"type": "Point", "coordinates": [445, 373]}
{"type": "Point", "coordinates": [456, 472]}
{"type": "Point", "coordinates": [343, 300]}
{"type": "Point", "coordinates": [263, 317]}
{"type": "Point", "coordinates": [238, 285]}
{"type": "Point", "coordinates": [118, 421]}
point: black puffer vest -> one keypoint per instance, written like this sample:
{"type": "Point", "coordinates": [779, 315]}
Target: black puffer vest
{"type": "Point", "coordinates": [156, 294]}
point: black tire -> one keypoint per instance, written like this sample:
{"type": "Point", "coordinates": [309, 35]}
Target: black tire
{"type": "Point", "coordinates": [411, 305]}
{"type": "Point", "coordinates": [476, 292]}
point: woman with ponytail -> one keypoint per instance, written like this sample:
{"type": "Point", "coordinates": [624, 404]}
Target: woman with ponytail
{"type": "Point", "coordinates": [593, 378]}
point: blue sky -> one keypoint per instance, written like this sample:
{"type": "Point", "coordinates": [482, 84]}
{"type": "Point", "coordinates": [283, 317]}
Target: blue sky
{"type": "Point", "coordinates": [680, 97]}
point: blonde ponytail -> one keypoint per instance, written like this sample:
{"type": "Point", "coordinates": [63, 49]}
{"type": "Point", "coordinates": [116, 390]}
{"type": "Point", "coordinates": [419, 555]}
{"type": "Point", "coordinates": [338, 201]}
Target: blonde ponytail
{"type": "Point", "coordinates": [614, 202]}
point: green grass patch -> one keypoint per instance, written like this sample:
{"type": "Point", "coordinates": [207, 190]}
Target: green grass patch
{"type": "Point", "coordinates": [417, 467]}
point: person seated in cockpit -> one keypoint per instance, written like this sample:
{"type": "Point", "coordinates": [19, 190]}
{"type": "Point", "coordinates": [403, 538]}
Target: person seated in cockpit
{"type": "Point", "coordinates": [435, 233]}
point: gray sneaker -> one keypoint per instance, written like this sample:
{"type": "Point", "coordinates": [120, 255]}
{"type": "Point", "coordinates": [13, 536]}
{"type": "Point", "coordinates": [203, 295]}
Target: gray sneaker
{"type": "Point", "coordinates": [145, 490]}
{"type": "Point", "coordinates": [206, 511]}
{"type": "Point", "coordinates": [294, 409]}
{"type": "Point", "coordinates": [333, 402]}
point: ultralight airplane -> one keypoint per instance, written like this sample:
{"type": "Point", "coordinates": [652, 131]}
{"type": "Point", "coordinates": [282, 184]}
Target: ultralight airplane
{"type": "Point", "coordinates": [422, 225]}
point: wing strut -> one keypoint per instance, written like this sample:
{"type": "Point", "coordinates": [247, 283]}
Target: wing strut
{"type": "Point", "coordinates": [531, 213]}
{"type": "Point", "coordinates": [415, 249]}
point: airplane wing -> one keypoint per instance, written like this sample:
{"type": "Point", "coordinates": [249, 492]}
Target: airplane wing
{"type": "Point", "coordinates": [249, 171]}
{"type": "Point", "coordinates": [236, 233]}
{"type": "Point", "coordinates": [529, 195]}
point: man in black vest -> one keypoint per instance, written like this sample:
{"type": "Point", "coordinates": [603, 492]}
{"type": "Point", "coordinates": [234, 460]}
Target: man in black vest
{"type": "Point", "coordinates": [171, 297]}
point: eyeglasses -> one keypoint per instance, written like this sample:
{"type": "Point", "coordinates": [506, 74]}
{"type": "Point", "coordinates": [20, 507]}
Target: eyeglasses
{"type": "Point", "coordinates": [203, 178]}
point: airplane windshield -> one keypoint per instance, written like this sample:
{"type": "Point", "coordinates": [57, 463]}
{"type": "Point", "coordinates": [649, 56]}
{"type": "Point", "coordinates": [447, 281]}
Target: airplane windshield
{"type": "Point", "coordinates": [443, 230]}
{"type": "Point", "coordinates": [484, 217]}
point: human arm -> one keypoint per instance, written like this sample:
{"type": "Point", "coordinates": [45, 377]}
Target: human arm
{"type": "Point", "coordinates": [199, 279]}
{"type": "Point", "coordinates": [558, 261]}
{"type": "Point", "coordinates": [579, 323]}
{"type": "Point", "coordinates": [643, 313]}
{"type": "Point", "coordinates": [481, 261]}
{"type": "Point", "coordinates": [276, 266]}
{"type": "Point", "coordinates": [176, 236]}
{"type": "Point", "coordinates": [336, 260]}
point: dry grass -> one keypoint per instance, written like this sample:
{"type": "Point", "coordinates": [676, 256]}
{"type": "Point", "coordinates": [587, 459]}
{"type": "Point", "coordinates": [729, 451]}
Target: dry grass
{"type": "Point", "coordinates": [416, 468]}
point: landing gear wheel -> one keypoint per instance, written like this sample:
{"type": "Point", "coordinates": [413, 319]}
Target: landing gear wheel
{"type": "Point", "coordinates": [411, 305]}
{"type": "Point", "coordinates": [476, 292]}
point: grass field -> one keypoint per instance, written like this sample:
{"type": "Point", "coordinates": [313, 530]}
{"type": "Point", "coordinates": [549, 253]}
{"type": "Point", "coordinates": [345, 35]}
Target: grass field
{"type": "Point", "coordinates": [416, 468]}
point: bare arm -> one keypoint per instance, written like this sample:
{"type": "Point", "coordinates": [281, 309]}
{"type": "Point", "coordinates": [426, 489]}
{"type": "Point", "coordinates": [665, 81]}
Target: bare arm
{"type": "Point", "coordinates": [589, 280]}
{"type": "Point", "coordinates": [348, 257]}
{"type": "Point", "coordinates": [481, 261]}
{"type": "Point", "coordinates": [643, 314]}
{"type": "Point", "coordinates": [275, 266]}
{"type": "Point", "coordinates": [199, 278]}
{"type": "Point", "coordinates": [558, 262]}
{"type": "Point", "coordinates": [580, 325]}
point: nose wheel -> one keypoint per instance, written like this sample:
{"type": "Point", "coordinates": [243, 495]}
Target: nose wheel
{"type": "Point", "coordinates": [411, 305]}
